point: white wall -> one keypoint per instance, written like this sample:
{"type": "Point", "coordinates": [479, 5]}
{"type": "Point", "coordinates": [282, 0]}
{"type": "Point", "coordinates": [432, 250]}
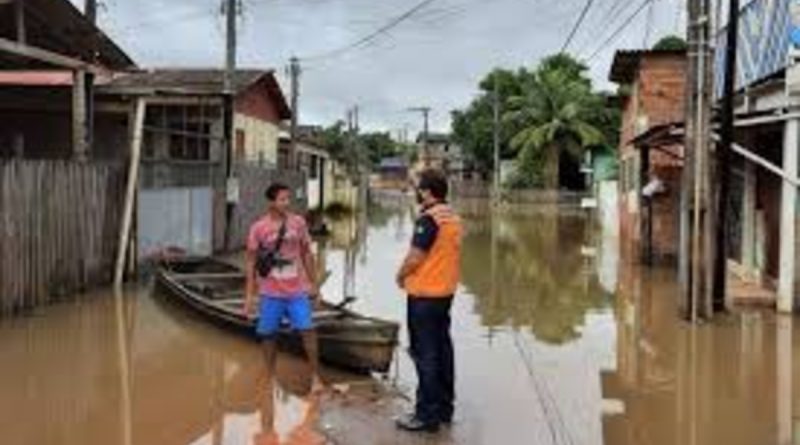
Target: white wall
{"type": "Point", "coordinates": [261, 138]}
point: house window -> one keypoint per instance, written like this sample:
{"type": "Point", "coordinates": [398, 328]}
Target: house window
{"type": "Point", "coordinates": [189, 141]}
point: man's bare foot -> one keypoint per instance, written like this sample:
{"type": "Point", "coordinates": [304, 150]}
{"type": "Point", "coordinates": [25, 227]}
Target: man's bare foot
{"type": "Point", "coordinates": [270, 438]}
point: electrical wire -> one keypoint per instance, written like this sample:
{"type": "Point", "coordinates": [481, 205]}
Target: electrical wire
{"type": "Point", "coordinates": [619, 30]}
{"type": "Point", "coordinates": [648, 30]}
{"type": "Point", "coordinates": [678, 16]}
{"type": "Point", "coordinates": [552, 415]}
{"type": "Point", "coordinates": [612, 14]}
{"type": "Point", "coordinates": [577, 25]}
{"type": "Point", "coordinates": [372, 36]}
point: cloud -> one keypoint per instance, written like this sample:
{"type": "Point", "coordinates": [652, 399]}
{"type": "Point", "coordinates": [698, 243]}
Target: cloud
{"type": "Point", "coordinates": [436, 58]}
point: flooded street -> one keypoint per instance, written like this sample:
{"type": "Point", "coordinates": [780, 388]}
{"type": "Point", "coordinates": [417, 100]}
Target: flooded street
{"type": "Point", "coordinates": [557, 342]}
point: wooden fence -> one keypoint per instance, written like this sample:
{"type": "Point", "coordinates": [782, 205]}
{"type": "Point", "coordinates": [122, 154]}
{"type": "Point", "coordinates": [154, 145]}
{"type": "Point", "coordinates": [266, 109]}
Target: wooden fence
{"type": "Point", "coordinates": [59, 227]}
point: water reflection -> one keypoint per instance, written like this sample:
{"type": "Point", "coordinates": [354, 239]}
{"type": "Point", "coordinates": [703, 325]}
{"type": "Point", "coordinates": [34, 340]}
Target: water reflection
{"type": "Point", "coordinates": [132, 370]}
{"type": "Point", "coordinates": [582, 349]}
{"type": "Point", "coordinates": [729, 382]}
{"type": "Point", "coordinates": [528, 271]}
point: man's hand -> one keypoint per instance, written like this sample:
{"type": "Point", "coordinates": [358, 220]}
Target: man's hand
{"type": "Point", "coordinates": [315, 297]}
{"type": "Point", "coordinates": [413, 260]}
{"type": "Point", "coordinates": [315, 293]}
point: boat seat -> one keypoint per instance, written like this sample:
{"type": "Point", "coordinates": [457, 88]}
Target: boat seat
{"type": "Point", "coordinates": [230, 301]}
{"type": "Point", "coordinates": [327, 314]}
{"type": "Point", "coordinates": [208, 276]}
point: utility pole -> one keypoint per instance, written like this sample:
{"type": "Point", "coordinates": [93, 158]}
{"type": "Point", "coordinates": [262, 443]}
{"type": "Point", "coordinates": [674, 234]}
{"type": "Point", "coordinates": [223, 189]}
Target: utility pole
{"type": "Point", "coordinates": [230, 8]}
{"type": "Point", "coordinates": [696, 248]}
{"type": "Point", "coordinates": [228, 78]}
{"type": "Point", "coordinates": [723, 156]}
{"type": "Point", "coordinates": [90, 11]}
{"type": "Point", "coordinates": [425, 133]}
{"type": "Point", "coordinates": [294, 73]}
{"type": "Point", "coordinates": [685, 264]}
{"type": "Point", "coordinates": [708, 184]}
{"type": "Point", "coordinates": [496, 135]}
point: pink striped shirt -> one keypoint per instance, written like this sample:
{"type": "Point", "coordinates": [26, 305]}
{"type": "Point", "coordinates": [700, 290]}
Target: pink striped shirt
{"type": "Point", "coordinates": [292, 279]}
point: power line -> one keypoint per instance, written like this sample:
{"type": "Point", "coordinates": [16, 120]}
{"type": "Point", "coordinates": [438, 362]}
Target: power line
{"type": "Point", "coordinates": [372, 36]}
{"type": "Point", "coordinates": [649, 26]}
{"type": "Point", "coordinates": [619, 30]}
{"type": "Point", "coordinates": [611, 15]}
{"type": "Point", "coordinates": [577, 25]}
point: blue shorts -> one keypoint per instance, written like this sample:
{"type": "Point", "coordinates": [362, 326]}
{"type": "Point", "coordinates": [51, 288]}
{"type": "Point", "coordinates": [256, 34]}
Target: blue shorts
{"type": "Point", "coordinates": [272, 312]}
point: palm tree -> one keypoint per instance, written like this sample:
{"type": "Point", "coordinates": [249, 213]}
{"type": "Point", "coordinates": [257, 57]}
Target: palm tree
{"type": "Point", "coordinates": [555, 113]}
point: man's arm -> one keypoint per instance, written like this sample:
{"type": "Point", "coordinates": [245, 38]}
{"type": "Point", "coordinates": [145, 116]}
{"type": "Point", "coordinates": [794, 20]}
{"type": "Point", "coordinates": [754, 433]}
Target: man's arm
{"type": "Point", "coordinates": [425, 233]}
{"type": "Point", "coordinates": [414, 258]}
{"type": "Point", "coordinates": [309, 262]}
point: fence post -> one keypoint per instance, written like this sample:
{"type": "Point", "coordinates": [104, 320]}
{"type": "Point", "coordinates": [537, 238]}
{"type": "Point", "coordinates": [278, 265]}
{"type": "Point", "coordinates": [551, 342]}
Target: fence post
{"type": "Point", "coordinates": [130, 193]}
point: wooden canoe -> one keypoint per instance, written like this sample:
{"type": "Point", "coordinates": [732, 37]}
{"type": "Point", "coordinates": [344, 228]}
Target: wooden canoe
{"type": "Point", "coordinates": [215, 289]}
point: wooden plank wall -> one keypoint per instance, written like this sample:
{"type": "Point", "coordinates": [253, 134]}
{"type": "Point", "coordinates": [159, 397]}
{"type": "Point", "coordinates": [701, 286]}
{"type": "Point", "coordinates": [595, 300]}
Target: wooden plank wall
{"type": "Point", "coordinates": [59, 223]}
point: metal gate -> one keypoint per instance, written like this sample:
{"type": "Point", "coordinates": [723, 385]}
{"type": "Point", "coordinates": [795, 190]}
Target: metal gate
{"type": "Point", "coordinates": [175, 219]}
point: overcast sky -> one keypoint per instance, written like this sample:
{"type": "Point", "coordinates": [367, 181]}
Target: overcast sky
{"type": "Point", "coordinates": [433, 59]}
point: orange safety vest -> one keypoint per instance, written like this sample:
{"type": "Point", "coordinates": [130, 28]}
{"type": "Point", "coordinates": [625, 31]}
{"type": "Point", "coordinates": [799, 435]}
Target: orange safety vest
{"type": "Point", "coordinates": [440, 272]}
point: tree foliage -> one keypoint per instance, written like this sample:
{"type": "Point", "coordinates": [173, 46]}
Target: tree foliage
{"type": "Point", "coordinates": [548, 113]}
{"type": "Point", "coordinates": [365, 149]}
{"type": "Point", "coordinates": [671, 43]}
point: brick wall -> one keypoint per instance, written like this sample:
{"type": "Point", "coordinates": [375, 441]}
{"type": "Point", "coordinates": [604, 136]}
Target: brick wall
{"type": "Point", "coordinates": [258, 102]}
{"type": "Point", "coordinates": [657, 98]}
{"type": "Point", "coordinates": [257, 121]}
{"type": "Point", "coordinates": [661, 88]}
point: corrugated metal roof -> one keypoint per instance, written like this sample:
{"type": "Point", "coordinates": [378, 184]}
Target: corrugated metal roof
{"type": "Point", "coordinates": [395, 162]}
{"type": "Point", "coordinates": [198, 80]}
{"type": "Point", "coordinates": [58, 26]}
{"type": "Point", "coordinates": [626, 63]}
{"type": "Point", "coordinates": [194, 81]}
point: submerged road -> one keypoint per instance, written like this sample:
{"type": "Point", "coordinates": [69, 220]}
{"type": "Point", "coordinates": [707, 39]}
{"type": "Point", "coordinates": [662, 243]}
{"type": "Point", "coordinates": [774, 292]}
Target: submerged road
{"type": "Point", "coordinates": [558, 340]}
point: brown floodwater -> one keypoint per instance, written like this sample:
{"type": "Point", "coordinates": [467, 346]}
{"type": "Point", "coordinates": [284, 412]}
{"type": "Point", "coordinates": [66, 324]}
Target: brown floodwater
{"type": "Point", "coordinates": [557, 340]}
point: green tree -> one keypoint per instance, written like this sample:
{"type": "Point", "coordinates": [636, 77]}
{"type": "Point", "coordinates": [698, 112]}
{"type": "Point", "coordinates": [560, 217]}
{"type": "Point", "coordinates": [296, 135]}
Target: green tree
{"type": "Point", "coordinates": [558, 92]}
{"type": "Point", "coordinates": [334, 139]}
{"type": "Point", "coordinates": [671, 43]}
{"type": "Point", "coordinates": [377, 146]}
{"type": "Point", "coordinates": [473, 127]}
{"type": "Point", "coordinates": [365, 149]}
{"type": "Point", "coordinates": [558, 115]}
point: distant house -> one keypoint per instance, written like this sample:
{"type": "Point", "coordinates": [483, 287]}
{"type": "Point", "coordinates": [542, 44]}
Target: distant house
{"type": "Point", "coordinates": [259, 104]}
{"type": "Point", "coordinates": [650, 169]}
{"type": "Point", "coordinates": [328, 181]}
{"type": "Point", "coordinates": [393, 173]}
{"type": "Point", "coordinates": [67, 92]}
{"type": "Point", "coordinates": [440, 153]}
{"type": "Point", "coordinates": [184, 159]}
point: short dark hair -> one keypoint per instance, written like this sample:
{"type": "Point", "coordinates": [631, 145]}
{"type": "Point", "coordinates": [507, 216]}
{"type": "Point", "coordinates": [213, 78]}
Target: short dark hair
{"type": "Point", "coordinates": [275, 189]}
{"type": "Point", "coordinates": [435, 182]}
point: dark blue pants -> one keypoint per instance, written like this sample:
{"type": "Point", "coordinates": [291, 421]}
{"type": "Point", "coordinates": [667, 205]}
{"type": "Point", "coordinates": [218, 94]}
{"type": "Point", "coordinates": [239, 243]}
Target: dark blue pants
{"type": "Point", "coordinates": [432, 352]}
